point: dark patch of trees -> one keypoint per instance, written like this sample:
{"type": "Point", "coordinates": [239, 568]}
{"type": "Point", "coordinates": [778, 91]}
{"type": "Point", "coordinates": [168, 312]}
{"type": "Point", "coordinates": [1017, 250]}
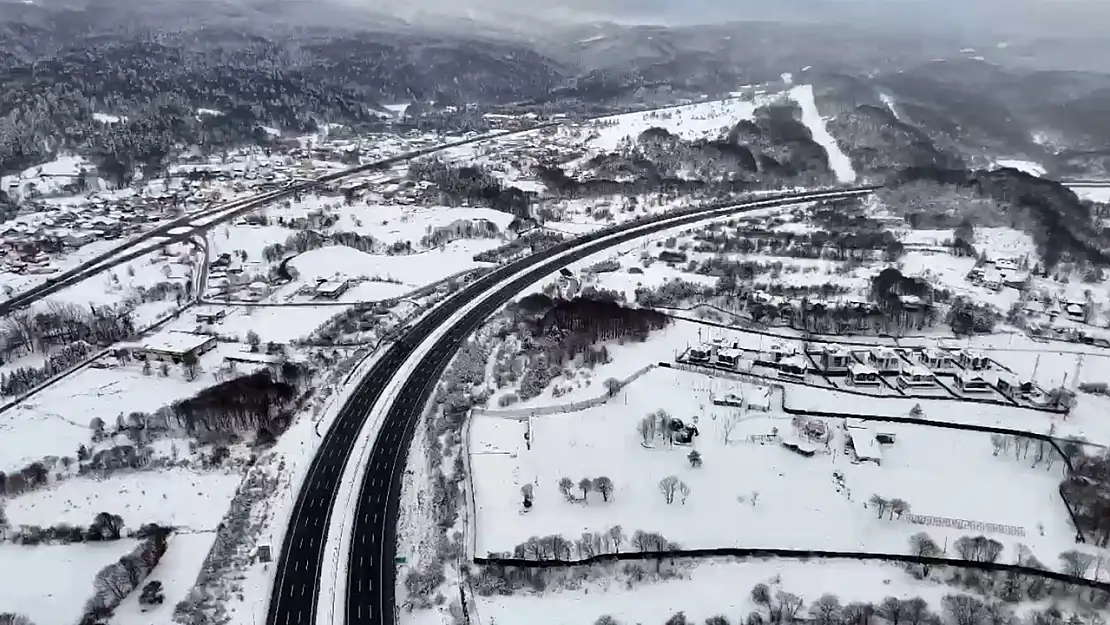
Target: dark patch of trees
{"type": "Point", "coordinates": [472, 183]}
{"type": "Point", "coordinates": [966, 316]}
{"type": "Point", "coordinates": [1059, 222]}
{"type": "Point", "coordinates": [557, 331]}
{"type": "Point", "coordinates": [1087, 491]}
{"type": "Point", "coordinates": [116, 581]}
{"type": "Point", "coordinates": [252, 403]}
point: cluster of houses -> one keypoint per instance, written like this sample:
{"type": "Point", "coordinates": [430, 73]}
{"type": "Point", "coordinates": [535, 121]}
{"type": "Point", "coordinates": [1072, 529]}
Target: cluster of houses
{"type": "Point", "coordinates": [995, 275]}
{"type": "Point", "coordinates": [909, 370]}
{"type": "Point", "coordinates": [30, 240]}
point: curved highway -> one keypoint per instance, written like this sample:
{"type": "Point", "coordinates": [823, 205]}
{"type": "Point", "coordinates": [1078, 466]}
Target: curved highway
{"type": "Point", "coordinates": [370, 567]}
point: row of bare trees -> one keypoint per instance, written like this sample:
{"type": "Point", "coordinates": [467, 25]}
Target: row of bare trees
{"type": "Point", "coordinates": [590, 544]}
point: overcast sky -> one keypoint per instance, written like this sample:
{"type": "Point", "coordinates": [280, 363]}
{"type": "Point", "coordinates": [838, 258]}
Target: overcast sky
{"type": "Point", "coordinates": [963, 14]}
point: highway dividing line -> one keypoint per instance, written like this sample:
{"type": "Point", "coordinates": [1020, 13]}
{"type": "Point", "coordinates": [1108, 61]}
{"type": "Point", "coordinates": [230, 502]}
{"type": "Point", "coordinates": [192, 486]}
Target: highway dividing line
{"type": "Point", "coordinates": [338, 546]}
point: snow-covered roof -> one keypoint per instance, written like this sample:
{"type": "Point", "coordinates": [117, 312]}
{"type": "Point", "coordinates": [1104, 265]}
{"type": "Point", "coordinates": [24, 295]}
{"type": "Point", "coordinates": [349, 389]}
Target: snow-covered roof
{"type": "Point", "coordinates": [331, 287]}
{"type": "Point", "coordinates": [176, 342]}
{"type": "Point", "coordinates": [917, 371]}
{"type": "Point", "coordinates": [796, 361]}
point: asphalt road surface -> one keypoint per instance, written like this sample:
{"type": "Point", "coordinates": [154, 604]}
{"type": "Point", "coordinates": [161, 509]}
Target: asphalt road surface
{"type": "Point", "coordinates": [371, 571]}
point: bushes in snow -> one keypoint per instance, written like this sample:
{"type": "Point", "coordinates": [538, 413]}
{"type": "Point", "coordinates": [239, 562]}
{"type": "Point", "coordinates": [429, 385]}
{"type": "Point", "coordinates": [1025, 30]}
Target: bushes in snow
{"type": "Point", "coordinates": [105, 527]}
{"type": "Point", "coordinates": [114, 582]}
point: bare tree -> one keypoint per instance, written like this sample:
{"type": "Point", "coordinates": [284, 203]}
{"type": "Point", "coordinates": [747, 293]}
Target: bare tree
{"type": "Point", "coordinates": [858, 613]}
{"type": "Point", "coordinates": [963, 609]}
{"type": "Point", "coordinates": [683, 490]}
{"type": "Point", "coordinates": [898, 507]}
{"type": "Point", "coordinates": [646, 428]}
{"type": "Point", "coordinates": [565, 486]}
{"type": "Point", "coordinates": [880, 503]}
{"type": "Point", "coordinates": [892, 610]}
{"type": "Point", "coordinates": [667, 486]}
{"type": "Point", "coordinates": [785, 607]}
{"type": "Point", "coordinates": [997, 613]}
{"type": "Point", "coordinates": [923, 546]}
{"type": "Point", "coordinates": [727, 426]}
{"type": "Point", "coordinates": [916, 611]}
{"type": "Point", "coordinates": [1076, 563]}
{"type": "Point", "coordinates": [603, 485]}
{"type": "Point", "coordinates": [999, 442]}
{"type": "Point", "coordinates": [109, 525]}
{"type": "Point", "coordinates": [612, 386]}
{"type": "Point", "coordinates": [112, 582]}
{"type": "Point", "coordinates": [586, 484]}
{"type": "Point", "coordinates": [616, 536]}
{"type": "Point", "coordinates": [826, 610]}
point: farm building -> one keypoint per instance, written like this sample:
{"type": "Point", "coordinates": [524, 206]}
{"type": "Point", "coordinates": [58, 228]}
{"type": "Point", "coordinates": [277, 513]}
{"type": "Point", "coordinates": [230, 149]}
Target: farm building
{"type": "Point", "coordinates": [863, 441]}
{"type": "Point", "coordinates": [331, 289]}
{"type": "Point", "coordinates": [174, 346]}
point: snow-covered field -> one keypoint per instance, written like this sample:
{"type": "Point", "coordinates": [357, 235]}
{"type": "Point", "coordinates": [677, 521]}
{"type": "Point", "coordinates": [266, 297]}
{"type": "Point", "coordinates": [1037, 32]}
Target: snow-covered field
{"type": "Point", "coordinates": [182, 498]}
{"type": "Point", "coordinates": [177, 571]}
{"type": "Point", "coordinates": [56, 421]}
{"type": "Point", "coordinates": [708, 589]}
{"type": "Point", "coordinates": [797, 503]}
{"type": "Point", "coordinates": [1097, 194]}
{"type": "Point", "coordinates": [50, 583]}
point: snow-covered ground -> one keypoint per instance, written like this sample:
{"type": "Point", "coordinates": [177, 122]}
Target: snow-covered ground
{"type": "Point", "coordinates": [708, 589]}
{"type": "Point", "coordinates": [1097, 194]}
{"type": "Point", "coordinates": [797, 503]}
{"type": "Point", "coordinates": [56, 421]}
{"type": "Point", "coordinates": [811, 117]}
{"type": "Point", "coordinates": [185, 552]}
{"type": "Point", "coordinates": [1029, 167]}
{"type": "Point", "coordinates": [50, 583]}
{"type": "Point", "coordinates": [183, 498]}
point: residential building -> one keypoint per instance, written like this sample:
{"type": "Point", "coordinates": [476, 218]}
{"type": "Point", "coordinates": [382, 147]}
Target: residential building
{"type": "Point", "coordinates": [973, 360]}
{"type": "Point", "coordinates": [916, 376]}
{"type": "Point", "coordinates": [794, 368]}
{"type": "Point", "coordinates": [860, 374]}
{"type": "Point", "coordinates": [884, 359]}
{"type": "Point", "coordinates": [936, 359]}
{"type": "Point", "coordinates": [972, 382]}
{"type": "Point", "coordinates": [331, 289]}
{"type": "Point", "coordinates": [834, 359]}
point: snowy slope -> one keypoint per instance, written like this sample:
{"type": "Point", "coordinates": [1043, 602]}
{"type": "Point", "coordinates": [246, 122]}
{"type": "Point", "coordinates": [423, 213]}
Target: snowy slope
{"type": "Point", "coordinates": [838, 160]}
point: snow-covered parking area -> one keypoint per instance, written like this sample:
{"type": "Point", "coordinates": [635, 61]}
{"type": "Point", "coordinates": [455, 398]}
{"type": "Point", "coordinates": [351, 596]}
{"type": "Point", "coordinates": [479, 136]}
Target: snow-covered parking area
{"type": "Point", "coordinates": [750, 493]}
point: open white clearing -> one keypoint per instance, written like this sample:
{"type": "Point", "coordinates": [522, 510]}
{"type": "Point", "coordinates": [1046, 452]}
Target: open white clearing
{"type": "Point", "coordinates": [719, 586]}
{"type": "Point", "coordinates": [182, 498]}
{"type": "Point", "coordinates": [50, 583]}
{"type": "Point", "coordinates": [799, 504]}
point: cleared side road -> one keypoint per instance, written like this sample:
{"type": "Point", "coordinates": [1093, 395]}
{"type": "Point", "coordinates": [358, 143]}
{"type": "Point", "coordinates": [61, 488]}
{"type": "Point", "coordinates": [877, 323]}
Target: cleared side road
{"type": "Point", "coordinates": [430, 345]}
